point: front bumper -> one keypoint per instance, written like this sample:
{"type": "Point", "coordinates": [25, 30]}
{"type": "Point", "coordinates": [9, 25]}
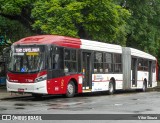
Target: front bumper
{"type": "Point", "coordinates": [39, 87]}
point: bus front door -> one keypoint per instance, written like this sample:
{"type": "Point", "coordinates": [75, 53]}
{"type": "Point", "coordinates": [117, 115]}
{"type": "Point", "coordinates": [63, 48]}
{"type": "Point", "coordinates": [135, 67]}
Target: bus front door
{"type": "Point", "coordinates": [87, 71]}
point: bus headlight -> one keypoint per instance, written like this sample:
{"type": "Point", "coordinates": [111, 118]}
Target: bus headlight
{"type": "Point", "coordinates": [41, 78]}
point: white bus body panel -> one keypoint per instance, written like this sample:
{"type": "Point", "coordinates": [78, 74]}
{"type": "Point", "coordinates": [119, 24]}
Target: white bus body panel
{"type": "Point", "coordinates": [141, 75]}
{"type": "Point", "coordinates": [154, 81]}
{"type": "Point", "coordinates": [100, 82]}
{"type": "Point", "coordinates": [99, 46]}
{"type": "Point", "coordinates": [140, 79]}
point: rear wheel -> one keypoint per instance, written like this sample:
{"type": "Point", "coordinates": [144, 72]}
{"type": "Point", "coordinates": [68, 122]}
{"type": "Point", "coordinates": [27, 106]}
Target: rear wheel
{"type": "Point", "coordinates": [111, 88]}
{"type": "Point", "coordinates": [70, 89]}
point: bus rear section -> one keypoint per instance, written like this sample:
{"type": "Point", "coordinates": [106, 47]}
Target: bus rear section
{"type": "Point", "coordinates": [139, 69]}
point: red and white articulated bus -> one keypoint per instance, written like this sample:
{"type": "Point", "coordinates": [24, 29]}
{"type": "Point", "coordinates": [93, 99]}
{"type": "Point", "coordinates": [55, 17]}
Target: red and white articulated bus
{"type": "Point", "coordinates": [50, 64]}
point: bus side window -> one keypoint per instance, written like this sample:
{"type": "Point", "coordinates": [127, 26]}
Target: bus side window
{"type": "Point", "coordinates": [57, 58]}
{"type": "Point", "coordinates": [66, 60]}
{"type": "Point", "coordinates": [117, 60]}
{"type": "Point", "coordinates": [55, 61]}
{"type": "Point", "coordinates": [145, 68]}
{"type": "Point", "coordinates": [140, 64]}
{"type": "Point", "coordinates": [108, 63]}
{"type": "Point", "coordinates": [98, 62]}
{"type": "Point", "coordinates": [70, 61]}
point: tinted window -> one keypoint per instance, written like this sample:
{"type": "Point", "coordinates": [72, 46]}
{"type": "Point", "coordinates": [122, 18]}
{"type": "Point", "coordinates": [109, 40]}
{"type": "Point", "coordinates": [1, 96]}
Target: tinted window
{"type": "Point", "coordinates": [98, 62]}
{"type": "Point", "coordinates": [70, 61]}
{"type": "Point", "coordinates": [142, 64]}
{"type": "Point", "coordinates": [57, 59]}
{"type": "Point", "coordinates": [117, 60]}
{"type": "Point", "coordinates": [108, 65]}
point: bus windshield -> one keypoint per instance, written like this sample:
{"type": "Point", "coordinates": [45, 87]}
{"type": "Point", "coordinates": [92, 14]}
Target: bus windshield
{"type": "Point", "coordinates": [26, 59]}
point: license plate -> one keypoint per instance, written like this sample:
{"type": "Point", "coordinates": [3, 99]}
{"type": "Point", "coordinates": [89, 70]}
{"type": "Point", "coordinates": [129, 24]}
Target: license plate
{"type": "Point", "coordinates": [20, 90]}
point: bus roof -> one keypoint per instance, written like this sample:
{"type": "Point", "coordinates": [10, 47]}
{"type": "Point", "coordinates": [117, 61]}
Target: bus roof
{"type": "Point", "coordinates": [78, 43]}
{"type": "Point", "coordinates": [139, 53]}
{"type": "Point", "coordinates": [100, 46]}
{"type": "Point", "coordinates": [50, 39]}
{"type": "Point", "coordinates": [69, 42]}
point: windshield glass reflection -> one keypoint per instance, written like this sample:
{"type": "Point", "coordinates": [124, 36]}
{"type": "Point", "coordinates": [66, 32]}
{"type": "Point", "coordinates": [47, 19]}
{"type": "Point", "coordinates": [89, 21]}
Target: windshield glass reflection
{"type": "Point", "coordinates": [26, 61]}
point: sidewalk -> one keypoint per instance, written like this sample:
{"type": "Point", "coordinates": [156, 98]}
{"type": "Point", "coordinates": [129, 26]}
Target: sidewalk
{"type": "Point", "coordinates": [4, 94]}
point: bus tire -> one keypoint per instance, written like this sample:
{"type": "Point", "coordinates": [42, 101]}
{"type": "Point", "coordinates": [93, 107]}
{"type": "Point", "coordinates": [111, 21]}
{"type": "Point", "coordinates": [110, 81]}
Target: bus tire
{"type": "Point", "coordinates": [70, 90]}
{"type": "Point", "coordinates": [111, 88]}
{"type": "Point", "coordinates": [144, 88]}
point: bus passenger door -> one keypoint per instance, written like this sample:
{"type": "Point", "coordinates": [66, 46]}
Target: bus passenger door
{"type": "Point", "coordinates": [134, 72]}
{"type": "Point", "coordinates": [150, 74]}
{"type": "Point", "coordinates": [87, 70]}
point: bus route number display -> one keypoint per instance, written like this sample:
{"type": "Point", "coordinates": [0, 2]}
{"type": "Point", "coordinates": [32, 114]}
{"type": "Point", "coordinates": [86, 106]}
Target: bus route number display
{"type": "Point", "coordinates": [24, 50]}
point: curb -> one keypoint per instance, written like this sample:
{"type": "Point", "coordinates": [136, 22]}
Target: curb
{"type": "Point", "coordinates": [8, 95]}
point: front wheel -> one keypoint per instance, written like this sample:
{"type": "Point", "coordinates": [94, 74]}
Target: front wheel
{"type": "Point", "coordinates": [70, 89]}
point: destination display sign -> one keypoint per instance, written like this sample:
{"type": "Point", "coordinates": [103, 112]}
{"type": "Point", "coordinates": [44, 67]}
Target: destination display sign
{"type": "Point", "coordinates": [28, 49]}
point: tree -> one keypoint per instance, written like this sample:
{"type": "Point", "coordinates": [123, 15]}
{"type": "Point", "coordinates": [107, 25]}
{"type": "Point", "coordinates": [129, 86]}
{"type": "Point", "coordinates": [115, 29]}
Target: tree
{"type": "Point", "coordinates": [144, 31]}
{"type": "Point", "coordinates": [11, 31]}
{"type": "Point", "coordinates": [57, 17]}
{"type": "Point", "coordinates": [89, 19]}
{"type": "Point", "coordinates": [18, 10]}
{"type": "Point", "coordinates": [125, 22]}
{"type": "Point", "coordinates": [15, 19]}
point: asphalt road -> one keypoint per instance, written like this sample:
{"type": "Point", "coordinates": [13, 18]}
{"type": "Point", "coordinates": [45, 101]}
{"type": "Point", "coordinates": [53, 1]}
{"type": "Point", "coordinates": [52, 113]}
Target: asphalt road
{"type": "Point", "coordinates": [98, 103]}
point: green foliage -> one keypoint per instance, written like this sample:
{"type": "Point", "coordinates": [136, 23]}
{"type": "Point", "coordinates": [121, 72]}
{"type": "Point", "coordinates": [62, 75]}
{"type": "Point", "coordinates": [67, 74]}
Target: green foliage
{"type": "Point", "coordinates": [105, 21]}
{"type": "Point", "coordinates": [144, 32]}
{"type": "Point", "coordinates": [13, 30]}
{"type": "Point", "coordinates": [14, 7]}
{"type": "Point", "coordinates": [90, 19]}
{"type": "Point", "coordinates": [15, 19]}
{"type": "Point", "coordinates": [133, 23]}
{"type": "Point", "coordinates": [96, 20]}
{"type": "Point", "coordinates": [57, 17]}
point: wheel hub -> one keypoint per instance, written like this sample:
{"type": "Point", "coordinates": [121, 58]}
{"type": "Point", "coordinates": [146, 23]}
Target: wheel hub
{"type": "Point", "coordinates": [70, 88]}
